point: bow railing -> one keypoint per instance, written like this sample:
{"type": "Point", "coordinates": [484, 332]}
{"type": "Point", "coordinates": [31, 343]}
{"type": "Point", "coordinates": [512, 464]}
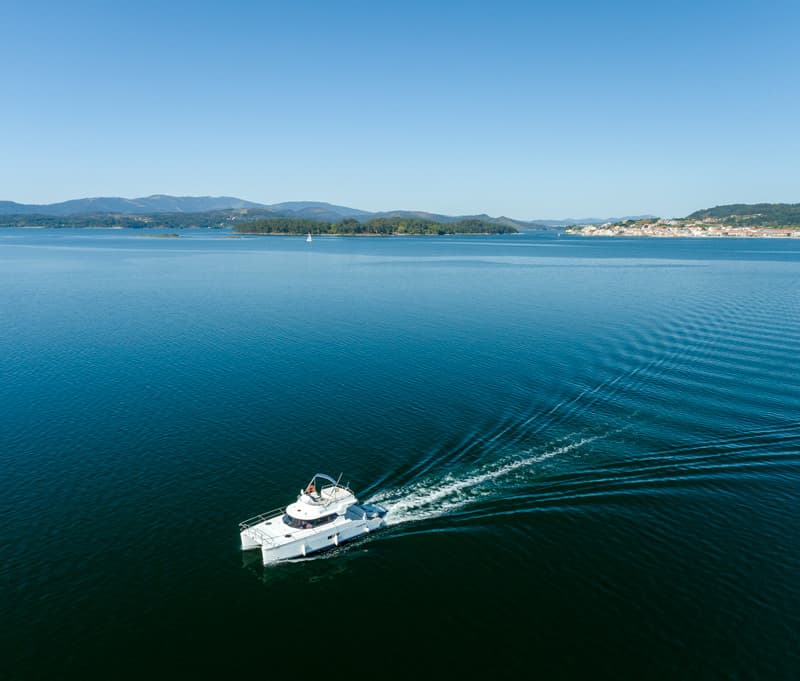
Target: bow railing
{"type": "Point", "coordinates": [260, 518]}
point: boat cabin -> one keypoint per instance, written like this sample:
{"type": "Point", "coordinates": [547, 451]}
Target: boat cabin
{"type": "Point", "coordinates": [318, 504]}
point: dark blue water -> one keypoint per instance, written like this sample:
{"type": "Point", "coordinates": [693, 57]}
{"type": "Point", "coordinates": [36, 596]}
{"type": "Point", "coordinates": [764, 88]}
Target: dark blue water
{"type": "Point", "coordinates": [590, 450]}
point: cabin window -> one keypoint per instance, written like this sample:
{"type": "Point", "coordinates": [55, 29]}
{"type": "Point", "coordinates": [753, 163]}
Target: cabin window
{"type": "Point", "coordinates": [324, 520]}
{"type": "Point", "coordinates": [297, 523]}
{"type": "Point", "coordinates": [302, 524]}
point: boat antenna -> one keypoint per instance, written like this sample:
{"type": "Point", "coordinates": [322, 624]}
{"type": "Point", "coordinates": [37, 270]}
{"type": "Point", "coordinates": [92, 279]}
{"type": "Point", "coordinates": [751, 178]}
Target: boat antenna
{"type": "Point", "coordinates": [339, 478]}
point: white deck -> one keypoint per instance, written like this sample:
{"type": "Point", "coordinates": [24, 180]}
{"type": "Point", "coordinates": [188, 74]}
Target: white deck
{"type": "Point", "coordinates": [275, 532]}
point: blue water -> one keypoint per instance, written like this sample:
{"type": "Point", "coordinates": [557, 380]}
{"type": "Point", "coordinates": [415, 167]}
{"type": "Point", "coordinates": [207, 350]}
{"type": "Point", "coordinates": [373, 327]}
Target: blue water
{"type": "Point", "coordinates": [590, 449]}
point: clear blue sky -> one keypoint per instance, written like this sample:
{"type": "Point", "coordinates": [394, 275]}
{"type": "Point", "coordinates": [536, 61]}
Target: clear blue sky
{"type": "Point", "coordinates": [524, 109]}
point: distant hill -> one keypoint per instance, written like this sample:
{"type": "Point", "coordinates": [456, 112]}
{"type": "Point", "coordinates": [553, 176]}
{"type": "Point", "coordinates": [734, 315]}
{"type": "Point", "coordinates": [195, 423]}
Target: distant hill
{"type": "Point", "coordinates": [437, 217]}
{"type": "Point", "coordinates": [161, 210]}
{"type": "Point", "coordinates": [317, 210]}
{"type": "Point", "coordinates": [158, 203]}
{"type": "Point", "coordinates": [753, 214]}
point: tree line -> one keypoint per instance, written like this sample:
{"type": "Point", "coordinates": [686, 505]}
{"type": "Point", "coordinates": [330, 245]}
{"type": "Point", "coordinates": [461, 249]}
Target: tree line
{"type": "Point", "coordinates": [375, 226]}
{"type": "Point", "coordinates": [754, 214]}
{"type": "Point", "coordinates": [242, 222]}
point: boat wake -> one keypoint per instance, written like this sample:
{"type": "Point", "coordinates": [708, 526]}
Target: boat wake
{"type": "Point", "coordinates": [433, 497]}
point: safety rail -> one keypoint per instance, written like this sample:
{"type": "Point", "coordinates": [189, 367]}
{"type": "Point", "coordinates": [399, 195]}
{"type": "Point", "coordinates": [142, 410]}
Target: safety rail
{"type": "Point", "coordinates": [265, 539]}
{"type": "Point", "coordinates": [260, 518]}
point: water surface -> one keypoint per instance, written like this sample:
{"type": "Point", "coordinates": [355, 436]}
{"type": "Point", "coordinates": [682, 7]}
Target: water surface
{"type": "Point", "coordinates": [589, 449]}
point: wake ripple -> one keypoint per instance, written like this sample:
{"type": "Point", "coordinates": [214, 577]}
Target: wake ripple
{"type": "Point", "coordinates": [436, 497]}
{"type": "Point", "coordinates": [700, 356]}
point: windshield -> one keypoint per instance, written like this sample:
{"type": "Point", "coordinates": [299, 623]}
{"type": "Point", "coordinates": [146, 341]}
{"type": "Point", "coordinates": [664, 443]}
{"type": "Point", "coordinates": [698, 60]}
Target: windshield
{"type": "Point", "coordinates": [300, 524]}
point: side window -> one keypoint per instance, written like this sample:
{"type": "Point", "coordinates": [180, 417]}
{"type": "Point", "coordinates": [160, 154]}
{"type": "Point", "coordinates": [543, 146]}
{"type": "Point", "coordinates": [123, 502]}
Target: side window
{"type": "Point", "coordinates": [306, 524]}
{"type": "Point", "coordinates": [293, 522]}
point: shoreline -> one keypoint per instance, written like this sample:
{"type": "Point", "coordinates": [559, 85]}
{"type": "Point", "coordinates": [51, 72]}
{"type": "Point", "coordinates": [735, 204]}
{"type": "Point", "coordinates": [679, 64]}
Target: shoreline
{"type": "Point", "coordinates": [371, 234]}
{"type": "Point", "coordinates": [686, 233]}
{"type": "Point", "coordinates": [143, 232]}
{"type": "Point", "coordinates": [795, 235]}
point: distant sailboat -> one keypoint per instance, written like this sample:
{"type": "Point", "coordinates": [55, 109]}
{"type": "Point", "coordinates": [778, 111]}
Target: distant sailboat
{"type": "Point", "coordinates": [308, 238]}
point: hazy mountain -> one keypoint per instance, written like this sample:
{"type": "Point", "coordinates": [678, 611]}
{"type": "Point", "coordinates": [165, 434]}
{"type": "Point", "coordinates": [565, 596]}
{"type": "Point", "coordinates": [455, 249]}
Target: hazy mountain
{"type": "Point", "coordinates": [318, 210]}
{"type": "Point", "coordinates": [438, 217]}
{"type": "Point", "coordinates": [161, 204]}
{"type": "Point", "coordinates": [158, 203]}
{"type": "Point", "coordinates": [222, 211]}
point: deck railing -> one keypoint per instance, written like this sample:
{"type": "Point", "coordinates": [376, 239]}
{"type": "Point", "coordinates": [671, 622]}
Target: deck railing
{"type": "Point", "coordinates": [260, 518]}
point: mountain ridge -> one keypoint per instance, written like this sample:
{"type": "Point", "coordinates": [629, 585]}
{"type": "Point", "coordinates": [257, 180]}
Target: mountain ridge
{"type": "Point", "coordinates": [208, 209]}
{"type": "Point", "coordinates": [162, 204]}
{"type": "Point", "coordinates": [155, 203]}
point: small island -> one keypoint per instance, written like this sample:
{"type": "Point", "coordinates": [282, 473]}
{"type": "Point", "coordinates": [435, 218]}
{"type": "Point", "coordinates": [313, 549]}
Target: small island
{"type": "Point", "coordinates": [767, 220]}
{"type": "Point", "coordinates": [375, 227]}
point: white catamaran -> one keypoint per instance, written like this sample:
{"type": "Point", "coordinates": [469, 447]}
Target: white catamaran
{"type": "Point", "coordinates": [324, 516]}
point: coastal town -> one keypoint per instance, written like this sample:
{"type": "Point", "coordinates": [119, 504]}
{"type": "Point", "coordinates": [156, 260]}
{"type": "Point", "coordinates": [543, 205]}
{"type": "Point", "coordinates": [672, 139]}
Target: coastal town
{"type": "Point", "coordinates": [702, 228]}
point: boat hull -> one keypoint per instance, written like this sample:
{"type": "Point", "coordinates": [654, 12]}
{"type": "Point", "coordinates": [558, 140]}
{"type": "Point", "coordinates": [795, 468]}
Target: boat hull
{"type": "Point", "coordinates": [248, 542]}
{"type": "Point", "coordinates": [317, 543]}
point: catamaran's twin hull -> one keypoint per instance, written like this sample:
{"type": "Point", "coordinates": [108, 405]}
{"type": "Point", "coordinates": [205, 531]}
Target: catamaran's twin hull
{"type": "Point", "coordinates": [324, 541]}
{"type": "Point", "coordinates": [338, 533]}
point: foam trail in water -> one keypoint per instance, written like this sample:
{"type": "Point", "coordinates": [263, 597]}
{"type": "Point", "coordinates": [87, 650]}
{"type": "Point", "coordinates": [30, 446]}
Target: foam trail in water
{"type": "Point", "coordinates": [435, 498]}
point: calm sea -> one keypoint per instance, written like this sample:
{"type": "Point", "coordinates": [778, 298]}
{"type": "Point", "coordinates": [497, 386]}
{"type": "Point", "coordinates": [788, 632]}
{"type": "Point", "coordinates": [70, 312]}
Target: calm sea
{"type": "Point", "coordinates": [590, 449]}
